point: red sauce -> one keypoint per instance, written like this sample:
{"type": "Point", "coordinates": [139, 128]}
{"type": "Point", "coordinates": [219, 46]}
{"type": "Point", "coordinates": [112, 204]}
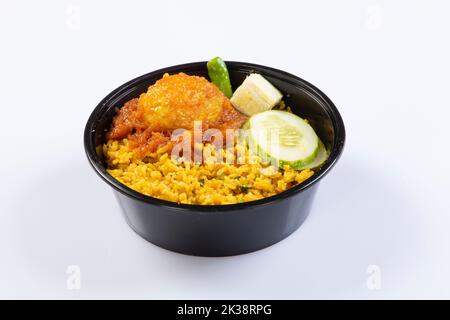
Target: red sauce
{"type": "Point", "coordinates": [173, 102]}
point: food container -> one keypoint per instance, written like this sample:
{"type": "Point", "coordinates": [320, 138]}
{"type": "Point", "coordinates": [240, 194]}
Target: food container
{"type": "Point", "coordinates": [220, 230]}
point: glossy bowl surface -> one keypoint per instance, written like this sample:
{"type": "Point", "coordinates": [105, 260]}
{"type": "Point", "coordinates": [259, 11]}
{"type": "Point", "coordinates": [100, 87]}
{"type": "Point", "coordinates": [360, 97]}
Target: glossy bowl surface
{"type": "Point", "coordinates": [221, 230]}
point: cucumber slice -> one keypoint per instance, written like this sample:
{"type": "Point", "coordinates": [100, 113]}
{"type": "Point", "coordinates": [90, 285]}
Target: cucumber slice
{"type": "Point", "coordinates": [282, 138]}
{"type": "Point", "coordinates": [322, 156]}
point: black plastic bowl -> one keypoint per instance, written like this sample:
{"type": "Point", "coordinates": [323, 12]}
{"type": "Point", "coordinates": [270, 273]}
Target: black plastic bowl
{"type": "Point", "coordinates": [221, 230]}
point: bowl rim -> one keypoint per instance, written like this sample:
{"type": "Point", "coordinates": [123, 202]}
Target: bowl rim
{"type": "Point", "coordinates": [314, 92]}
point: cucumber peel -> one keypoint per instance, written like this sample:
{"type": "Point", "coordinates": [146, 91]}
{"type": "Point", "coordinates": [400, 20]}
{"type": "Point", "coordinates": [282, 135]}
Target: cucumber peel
{"type": "Point", "coordinates": [322, 156]}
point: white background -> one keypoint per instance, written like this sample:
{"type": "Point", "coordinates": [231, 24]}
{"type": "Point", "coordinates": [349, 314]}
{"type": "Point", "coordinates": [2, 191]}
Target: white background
{"type": "Point", "coordinates": [386, 66]}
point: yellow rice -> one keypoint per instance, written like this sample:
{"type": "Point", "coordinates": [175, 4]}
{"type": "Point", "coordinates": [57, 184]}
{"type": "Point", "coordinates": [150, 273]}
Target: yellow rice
{"type": "Point", "coordinates": [207, 184]}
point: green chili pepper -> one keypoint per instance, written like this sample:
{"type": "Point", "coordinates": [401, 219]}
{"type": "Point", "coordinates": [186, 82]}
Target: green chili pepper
{"type": "Point", "coordinates": [218, 73]}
